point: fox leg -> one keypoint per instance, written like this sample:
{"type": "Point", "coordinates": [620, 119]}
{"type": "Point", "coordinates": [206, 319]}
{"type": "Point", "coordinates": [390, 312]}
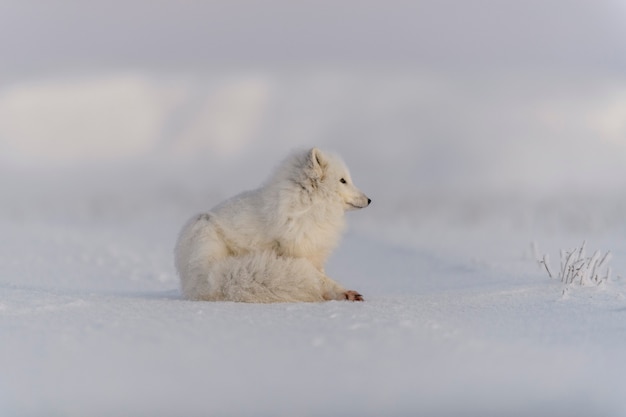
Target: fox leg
{"type": "Point", "coordinates": [334, 291]}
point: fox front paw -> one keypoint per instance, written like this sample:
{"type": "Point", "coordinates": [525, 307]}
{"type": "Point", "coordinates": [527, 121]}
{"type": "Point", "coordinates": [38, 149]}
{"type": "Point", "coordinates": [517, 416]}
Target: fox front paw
{"type": "Point", "coordinates": [353, 296]}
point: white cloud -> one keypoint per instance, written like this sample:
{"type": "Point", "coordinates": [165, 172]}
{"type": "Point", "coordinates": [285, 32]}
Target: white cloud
{"type": "Point", "coordinates": [67, 121]}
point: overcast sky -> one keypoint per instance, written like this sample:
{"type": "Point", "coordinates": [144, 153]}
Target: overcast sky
{"type": "Point", "coordinates": [38, 36]}
{"type": "Point", "coordinates": [487, 90]}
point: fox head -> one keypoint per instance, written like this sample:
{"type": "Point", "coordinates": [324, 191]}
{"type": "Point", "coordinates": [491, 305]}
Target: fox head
{"type": "Point", "coordinates": [328, 173]}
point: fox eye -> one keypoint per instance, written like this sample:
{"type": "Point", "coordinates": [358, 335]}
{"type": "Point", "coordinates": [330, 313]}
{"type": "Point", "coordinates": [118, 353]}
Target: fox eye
{"type": "Point", "coordinates": [343, 180]}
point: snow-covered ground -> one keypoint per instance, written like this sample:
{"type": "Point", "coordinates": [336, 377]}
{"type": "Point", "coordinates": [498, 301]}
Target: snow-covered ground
{"type": "Point", "coordinates": [459, 318]}
{"type": "Point", "coordinates": [92, 324]}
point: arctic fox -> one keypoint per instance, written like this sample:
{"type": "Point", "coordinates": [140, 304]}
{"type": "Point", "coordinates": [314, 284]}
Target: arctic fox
{"type": "Point", "coordinates": [270, 244]}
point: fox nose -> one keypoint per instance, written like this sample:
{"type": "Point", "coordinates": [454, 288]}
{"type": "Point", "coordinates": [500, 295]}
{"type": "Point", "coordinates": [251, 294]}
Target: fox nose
{"type": "Point", "coordinates": [369, 200]}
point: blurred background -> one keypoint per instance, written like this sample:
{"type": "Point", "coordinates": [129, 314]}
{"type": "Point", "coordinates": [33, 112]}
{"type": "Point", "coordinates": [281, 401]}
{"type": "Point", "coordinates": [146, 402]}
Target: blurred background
{"type": "Point", "coordinates": [449, 113]}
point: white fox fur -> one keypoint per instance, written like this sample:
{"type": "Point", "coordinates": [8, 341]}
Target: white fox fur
{"type": "Point", "coordinates": [271, 244]}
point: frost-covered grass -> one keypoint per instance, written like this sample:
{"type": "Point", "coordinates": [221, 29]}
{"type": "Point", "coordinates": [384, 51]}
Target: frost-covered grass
{"type": "Point", "coordinates": [577, 268]}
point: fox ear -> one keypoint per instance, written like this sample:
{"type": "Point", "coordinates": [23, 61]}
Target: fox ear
{"type": "Point", "coordinates": [316, 158]}
{"type": "Point", "coordinates": [317, 163]}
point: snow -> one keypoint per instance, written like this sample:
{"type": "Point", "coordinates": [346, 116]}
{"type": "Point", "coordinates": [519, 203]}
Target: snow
{"type": "Point", "coordinates": [93, 328]}
{"type": "Point", "coordinates": [459, 318]}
